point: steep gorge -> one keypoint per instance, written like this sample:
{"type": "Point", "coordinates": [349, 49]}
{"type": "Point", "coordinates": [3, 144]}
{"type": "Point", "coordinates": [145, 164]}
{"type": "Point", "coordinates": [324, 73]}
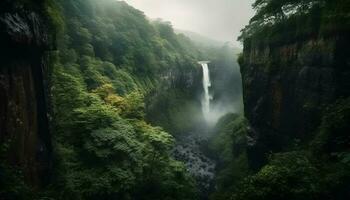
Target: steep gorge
{"type": "Point", "coordinates": [126, 91]}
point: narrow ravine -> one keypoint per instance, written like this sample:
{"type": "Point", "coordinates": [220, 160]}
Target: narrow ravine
{"type": "Point", "coordinates": [189, 147]}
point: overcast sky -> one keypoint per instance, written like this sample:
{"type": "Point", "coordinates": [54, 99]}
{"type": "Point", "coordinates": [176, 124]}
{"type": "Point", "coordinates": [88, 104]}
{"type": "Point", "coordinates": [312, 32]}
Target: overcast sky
{"type": "Point", "coordinates": [218, 19]}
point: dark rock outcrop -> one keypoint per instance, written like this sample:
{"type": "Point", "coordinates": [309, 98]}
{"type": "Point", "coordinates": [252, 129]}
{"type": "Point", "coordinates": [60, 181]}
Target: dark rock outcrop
{"type": "Point", "coordinates": [287, 86]}
{"type": "Point", "coordinates": [23, 91]}
{"type": "Point", "coordinates": [179, 91]}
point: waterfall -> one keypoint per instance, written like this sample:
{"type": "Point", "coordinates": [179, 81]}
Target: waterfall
{"type": "Point", "coordinates": [206, 85]}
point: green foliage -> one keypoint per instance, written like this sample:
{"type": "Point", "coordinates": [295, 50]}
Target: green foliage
{"type": "Point", "coordinates": [134, 107]}
{"type": "Point", "coordinates": [222, 143]}
{"type": "Point", "coordinates": [287, 176]}
{"type": "Point", "coordinates": [12, 185]}
{"type": "Point", "coordinates": [295, 175]}
{"type": "Point", "coordinates": [163, 177]}
{"type": "Point", "coordinates": [228, 147]}
{"type": "Point", "coordinates": [108, 61]}
{"type": "Point", "coordinates": [107, 164]}
{"type": "Point", "coordinates": [279, 21]}
{"type": "Point", "coordinates": [333, 137]}
{"type": "Point", "coordinates": [55, 19]}
{"type": "Point", "coordinates": [156, 136]}
{"type": "Point", "coordinates": [319, 170]}
{"type": "Point", "coordinates": [174, 110]}
{"type": "Point", "coordinates": [110, 157]}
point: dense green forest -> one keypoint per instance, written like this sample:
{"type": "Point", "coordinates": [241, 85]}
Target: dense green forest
{"type": "Point", "coordinates": [112, 69]}
{"type": "Point", "coordinates": [124, 91]}
{"type": "Point", "coordinates": [109, 58]}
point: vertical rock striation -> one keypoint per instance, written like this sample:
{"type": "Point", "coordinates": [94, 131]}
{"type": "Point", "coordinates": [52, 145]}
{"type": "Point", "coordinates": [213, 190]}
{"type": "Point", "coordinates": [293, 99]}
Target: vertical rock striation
{"type": "Point", "coordinates": [23, 91]}
{"type": "Point", "coordinates": [287, 86]}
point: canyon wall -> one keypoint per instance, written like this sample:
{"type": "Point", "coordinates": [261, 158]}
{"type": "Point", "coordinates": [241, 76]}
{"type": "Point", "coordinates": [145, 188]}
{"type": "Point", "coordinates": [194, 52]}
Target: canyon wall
{"type": "Point", "coordinates": [24, 130]}
{"type": "Point", "coordinates": [287, 87]}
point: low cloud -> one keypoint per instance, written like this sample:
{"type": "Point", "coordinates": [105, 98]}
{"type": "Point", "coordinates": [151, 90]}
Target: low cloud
{"type": "Point", "coordinates": [221, 20]}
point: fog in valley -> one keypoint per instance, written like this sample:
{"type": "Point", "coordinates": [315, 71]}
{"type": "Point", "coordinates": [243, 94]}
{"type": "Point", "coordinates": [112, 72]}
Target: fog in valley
{"type": "Point", "coordinates": [221, 20]}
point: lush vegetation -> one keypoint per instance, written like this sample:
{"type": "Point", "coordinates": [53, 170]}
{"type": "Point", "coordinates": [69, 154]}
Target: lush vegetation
{"type": "Point", "coordinates": [109, 57]}
{"type": "Point", "coordinates": [228, 146]}
{"type": "Point", "coordinates": [123, 88]}
{"type": "Point", "coordinates": [278, 21]}
{"type": "Point", "coordinates": [316, 167]}
{"type": "Point", "coordinates": [112, 71]}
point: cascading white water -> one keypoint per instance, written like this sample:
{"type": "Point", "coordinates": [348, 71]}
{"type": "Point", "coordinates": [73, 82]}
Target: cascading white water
{"type": "Point", "coordinates": [206, 85]}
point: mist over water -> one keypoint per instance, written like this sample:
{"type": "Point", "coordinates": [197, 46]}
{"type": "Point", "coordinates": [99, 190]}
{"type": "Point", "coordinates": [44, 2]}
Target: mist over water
{"type": "Point", "coordinates": [213, 109]}
{"type": "Point", "coordinates": [218, 78]}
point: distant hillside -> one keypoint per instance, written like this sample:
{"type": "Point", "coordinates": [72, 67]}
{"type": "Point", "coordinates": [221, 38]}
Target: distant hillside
{"type": "Point", "coordinates": [205, 42]}
{"type": "Point", "coordinates": [200, 39]}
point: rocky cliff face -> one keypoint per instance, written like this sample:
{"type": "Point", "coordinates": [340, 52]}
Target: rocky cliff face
{"type": "Point", "coordinates": [287, 86]}
{"type": "Point", "coordinates": [23, 83]}
{"type": "Point", "coordinates": [175, 104]}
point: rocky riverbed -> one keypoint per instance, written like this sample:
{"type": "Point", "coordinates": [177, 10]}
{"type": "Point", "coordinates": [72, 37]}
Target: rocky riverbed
{"type": "Point", "coordinates": [188, 150]}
